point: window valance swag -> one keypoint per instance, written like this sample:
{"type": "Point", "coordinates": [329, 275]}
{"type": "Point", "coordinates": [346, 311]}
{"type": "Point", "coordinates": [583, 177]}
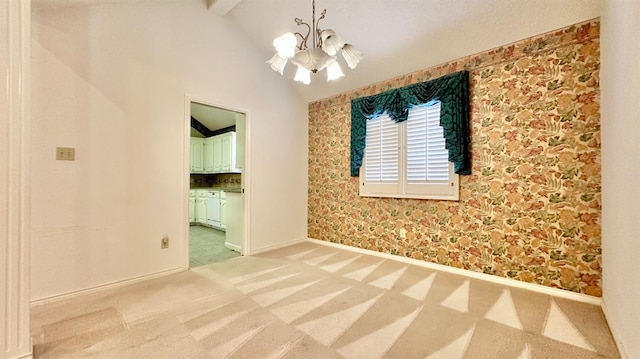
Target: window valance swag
{"type": "Point", "coordinates": [453, 93]}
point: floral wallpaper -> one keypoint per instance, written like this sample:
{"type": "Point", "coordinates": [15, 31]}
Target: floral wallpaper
{"type": "Point", "coordinates": [530, 210]}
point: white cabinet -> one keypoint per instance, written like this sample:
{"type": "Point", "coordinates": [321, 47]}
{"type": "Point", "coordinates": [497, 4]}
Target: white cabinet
{"type": "Point", "coordinates": [207, 155]}
{"type": "Point", "coordinates": [226, 151]}
{"type": "Point", "coordinates": [201, 206]}
{"type": "Point", "coordinates": [192, 206]}
{"type": "Point", "coordinates": [197, 147]}
{"type": "Point", "coordinates": [215, 154]}
{"type": "Point", "coordinates": [229, 152]}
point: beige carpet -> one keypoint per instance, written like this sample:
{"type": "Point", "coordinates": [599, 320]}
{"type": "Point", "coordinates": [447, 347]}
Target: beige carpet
{"type": "Point", "coordinates": [313, 301]}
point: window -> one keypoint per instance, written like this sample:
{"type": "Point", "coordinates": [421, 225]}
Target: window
{"type": "Point", "coordinates": [408, 159]}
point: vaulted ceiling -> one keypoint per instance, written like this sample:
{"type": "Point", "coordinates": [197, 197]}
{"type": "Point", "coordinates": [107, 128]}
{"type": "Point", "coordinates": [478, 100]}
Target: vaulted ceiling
{"type": "Point", "coordinates": [396, 36]}
{"type": "Point", "coordinates": [401, 36]}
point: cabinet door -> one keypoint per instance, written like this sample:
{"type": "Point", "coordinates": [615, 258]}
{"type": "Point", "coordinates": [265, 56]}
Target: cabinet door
{"type": "Point", "coordinates": [226, 152]}
{"type": "Point", "coordinates": [192, 209]}
{"type": "Point", "coordinates": [208, 155]}
{"type": "Point", "coordinates": [201, 210]}
{"type": "Point", "coordinates": [197, 148]}
{"type": "Point", "coordinates": [223, 213]}
{"type": "Point", "coordinates": [217, 153]}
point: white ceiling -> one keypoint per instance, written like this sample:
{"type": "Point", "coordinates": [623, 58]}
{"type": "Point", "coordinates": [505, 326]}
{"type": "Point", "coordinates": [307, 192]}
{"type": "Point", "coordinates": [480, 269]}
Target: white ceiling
{"type": "Point", "coordinates": [214, 118]}
{"type": "Point", "coordinates": [396, 36]}
{"type": "Point", "coordinates": [401, 36]}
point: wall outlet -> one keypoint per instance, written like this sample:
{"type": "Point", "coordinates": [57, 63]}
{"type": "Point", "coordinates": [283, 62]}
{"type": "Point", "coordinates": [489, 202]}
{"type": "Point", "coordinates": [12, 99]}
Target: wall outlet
{"type": "Point", "coordinates": [164, 242]}
{"type": "Point", "coordinates": [65, 154]}
{"type": "Point", "coordinates": [403, 233]}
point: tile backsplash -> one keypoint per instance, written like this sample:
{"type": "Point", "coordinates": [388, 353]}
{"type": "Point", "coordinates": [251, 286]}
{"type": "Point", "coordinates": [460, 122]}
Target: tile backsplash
{"type": "Point", "coordinates": [215, 180]}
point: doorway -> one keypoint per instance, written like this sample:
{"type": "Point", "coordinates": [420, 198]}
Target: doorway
{"type": "Point", "coordinates": [217, 174]}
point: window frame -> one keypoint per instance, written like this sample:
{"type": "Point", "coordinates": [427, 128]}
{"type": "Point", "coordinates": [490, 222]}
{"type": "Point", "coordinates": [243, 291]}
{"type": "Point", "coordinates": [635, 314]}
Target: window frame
{"type": "Point", "coordinates": [436, 190]}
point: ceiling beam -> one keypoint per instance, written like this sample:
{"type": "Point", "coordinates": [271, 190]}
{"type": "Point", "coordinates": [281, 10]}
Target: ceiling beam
{"type": "Point", "coordinates": [222, 7]}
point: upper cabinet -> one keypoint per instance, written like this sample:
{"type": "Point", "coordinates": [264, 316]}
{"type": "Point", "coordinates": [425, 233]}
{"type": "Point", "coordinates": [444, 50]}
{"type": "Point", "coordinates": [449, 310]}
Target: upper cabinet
{"type": "Point", "coordinates": [215, 154]}
{"type": "Point", "coordinates": [197, 148]}
{"type": "Point", "coordinates": [229, 158]}
{"type": "Point", "coordinates": [207, 155]}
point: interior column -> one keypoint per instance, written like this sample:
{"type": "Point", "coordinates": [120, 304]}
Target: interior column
{"type": "Point", "coordinates": [15, 40]}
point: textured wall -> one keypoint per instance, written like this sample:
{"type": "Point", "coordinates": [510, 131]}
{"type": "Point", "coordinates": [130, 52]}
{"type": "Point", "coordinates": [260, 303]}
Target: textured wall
{"type": "Point", "coordinates": [531, 210]}
{"type": "Point", "coordinates": [110, 80]}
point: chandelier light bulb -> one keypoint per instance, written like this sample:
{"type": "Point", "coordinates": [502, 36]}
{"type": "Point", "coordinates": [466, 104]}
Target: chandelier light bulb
{"type": "Point", "coordinates": [331, 42]}
{"type": "Point", "coordinates": [277, 63]}
{"type": "Point", "coordinates": [285, 45]}
{"type": "Point", "coordinates": [303, 75]}
{"type": "Point", "coordinates": [351, 55]}
{"type": "Point", "coordinates": [334, 71]}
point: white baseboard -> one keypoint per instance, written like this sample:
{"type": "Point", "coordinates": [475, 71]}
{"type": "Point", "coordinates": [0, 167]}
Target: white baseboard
{"type": "Point", "coordinates": [233, 247]}
{"type": "Point", "coordinates": [277, 246]}
{"type": "Point", "coordinates": [116, 284]}
{"type": "Point", "coordinates": [560, 293]}
{"type": "Point", "coordinates": [614, 333]}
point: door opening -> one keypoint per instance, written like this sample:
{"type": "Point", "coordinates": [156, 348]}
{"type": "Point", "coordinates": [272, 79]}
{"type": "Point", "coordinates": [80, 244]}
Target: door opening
{"type": "Point", "coordinates": [217, 174]}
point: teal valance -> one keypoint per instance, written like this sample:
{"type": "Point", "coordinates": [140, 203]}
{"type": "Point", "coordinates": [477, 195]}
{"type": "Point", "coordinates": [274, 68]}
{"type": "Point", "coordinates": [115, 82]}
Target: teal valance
{"type": "Point", "coordinates": [453, 93]}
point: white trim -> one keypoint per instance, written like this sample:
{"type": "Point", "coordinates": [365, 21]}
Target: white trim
{"type": "Point", "coordinates": [560, 293]}
{"type": "Point", "coordinates": [278, 246]}
{"type": "Point", "coordinates": [101, 287]}
{"type": "Point", "coordinates": [233, 247]}
{"type": "Point", "coordinates": [614, 333]}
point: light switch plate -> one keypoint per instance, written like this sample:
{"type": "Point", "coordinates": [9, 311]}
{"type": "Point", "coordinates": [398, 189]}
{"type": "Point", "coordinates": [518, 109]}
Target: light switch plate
{"type": "Point", "coordinates": [65, 154]}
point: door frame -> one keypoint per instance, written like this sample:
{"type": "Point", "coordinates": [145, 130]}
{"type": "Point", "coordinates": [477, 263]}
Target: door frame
{"type": "Point", "coordinates": [246, 172]}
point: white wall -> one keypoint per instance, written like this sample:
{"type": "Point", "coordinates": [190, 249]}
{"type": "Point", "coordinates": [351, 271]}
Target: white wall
{"type": "Point", "coordinates": [110, 80]}
{"type": "Point", "coordinates": [620, 88]}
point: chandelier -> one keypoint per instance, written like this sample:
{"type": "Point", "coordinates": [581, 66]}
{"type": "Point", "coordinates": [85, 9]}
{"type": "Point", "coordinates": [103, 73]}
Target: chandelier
{"type": "Point", "coordinates": [322, 54]}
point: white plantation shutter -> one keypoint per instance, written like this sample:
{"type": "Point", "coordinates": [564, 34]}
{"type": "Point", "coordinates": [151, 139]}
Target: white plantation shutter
{"type": "Point", "coordinates": [408, 159]}
{"type": "Point", "coordinates": [381, 151]}
{"type": "Point", "coordinates": [427, 157]}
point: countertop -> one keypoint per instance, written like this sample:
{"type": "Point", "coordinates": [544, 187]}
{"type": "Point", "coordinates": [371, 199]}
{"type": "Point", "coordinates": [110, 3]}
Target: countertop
{"type": "Point", "coordinates": [225, 189]}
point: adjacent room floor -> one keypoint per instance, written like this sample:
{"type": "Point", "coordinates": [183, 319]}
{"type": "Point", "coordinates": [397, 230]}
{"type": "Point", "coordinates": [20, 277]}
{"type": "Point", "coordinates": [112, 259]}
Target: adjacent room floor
{"type": "Point", "coordinates": [206, 245]}
{"type": "Point", "coordinates": [314, 301]}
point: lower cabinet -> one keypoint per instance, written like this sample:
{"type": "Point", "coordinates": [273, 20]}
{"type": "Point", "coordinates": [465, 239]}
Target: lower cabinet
{"type": "Point", "coordinates": [208, 206]}
{"type": "Point", "coordinates": [201, 206]}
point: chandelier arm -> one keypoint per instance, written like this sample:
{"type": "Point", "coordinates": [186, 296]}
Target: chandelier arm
{"type": "Point", "coordinates": [303, 41]}
{"type": "Point", "coordinates": [318, 31]}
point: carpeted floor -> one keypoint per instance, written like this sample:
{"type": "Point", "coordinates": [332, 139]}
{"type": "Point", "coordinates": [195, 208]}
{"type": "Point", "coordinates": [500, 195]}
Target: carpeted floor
{"type": "Point", "coordinates": [314, 301]}
{"type": "Point", "coordinates": [206, 245]}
